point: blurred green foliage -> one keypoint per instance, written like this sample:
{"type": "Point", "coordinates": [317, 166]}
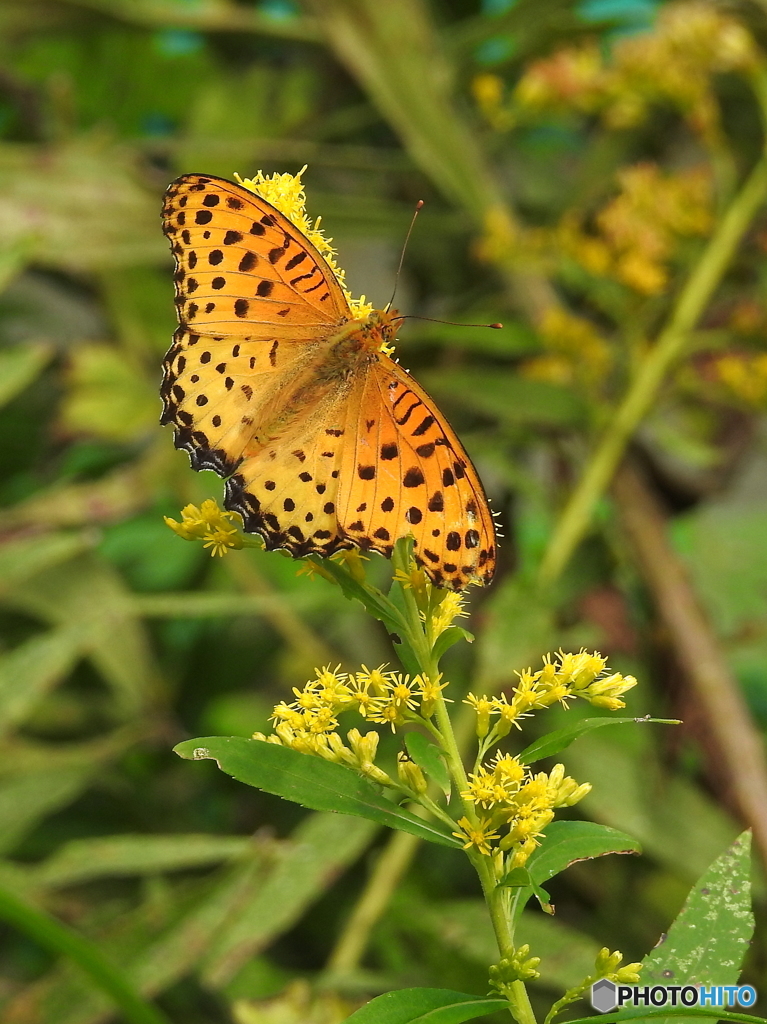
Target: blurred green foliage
{"type": "Point", "coordinates": [577, 149]}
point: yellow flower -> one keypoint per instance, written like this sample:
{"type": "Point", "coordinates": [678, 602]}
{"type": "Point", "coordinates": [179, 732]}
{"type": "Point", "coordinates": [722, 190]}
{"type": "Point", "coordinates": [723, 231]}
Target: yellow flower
{"type": "Point", "coordinates": [354, 561]}
{"type": "Point", "coordinates": [387, 713]}
{"type": "Point", "coordinates": [286, 193]}
{"type": "Point", "coordinates": [375, 679]}
{"type": "Point", "coordinates": [508, 769]}
{"type": "Point", "coordinates": [485, 789]}
{"type": "Point", "coordinates": [222, 539]}
{"type": "Point", "coordinates": [450, 608]}
{"type": "Point", "coordinates": [429, 693]}
{"type": "Point", "coordinates": [208, 523]}
{"type": "Point", "coordinates": [363, 747]}
{"type": "Point", "coordinates": [416, 580]}
{"type": "Point", "coordinates": [480, 836]}
{"type": "Point", "coordinates": [485, 707]}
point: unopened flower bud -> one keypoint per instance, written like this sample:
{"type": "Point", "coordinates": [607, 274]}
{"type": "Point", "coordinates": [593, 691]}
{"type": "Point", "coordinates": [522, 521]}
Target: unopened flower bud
{"type": "Point", "coordinates": [410, 774]}
{"type": "Point", "coordinates": [364, 747]}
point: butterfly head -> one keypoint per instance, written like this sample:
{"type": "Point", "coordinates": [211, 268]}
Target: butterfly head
{"type": "Point", "coordinates": [381, 327]}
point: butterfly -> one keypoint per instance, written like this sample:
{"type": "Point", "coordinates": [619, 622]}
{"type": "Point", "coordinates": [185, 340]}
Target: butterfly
{"type": "Point", "coordinates": [325, 441]}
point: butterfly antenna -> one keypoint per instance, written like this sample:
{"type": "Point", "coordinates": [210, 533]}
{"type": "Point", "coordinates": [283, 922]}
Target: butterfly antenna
{"type": "Point", "coordinates": [450, 323]}
{"type": "Point", "coordinates": [418, 206]}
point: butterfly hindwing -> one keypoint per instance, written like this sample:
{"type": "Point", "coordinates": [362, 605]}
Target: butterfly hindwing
{"type": "Point", "coordinates": [288, 491]}
{"type": "Point", "coordinates": [242, 269]}
{"type": "Point", "coordinates": [219, 391]}
{"type": "Point", "coordinates": [408, 473]}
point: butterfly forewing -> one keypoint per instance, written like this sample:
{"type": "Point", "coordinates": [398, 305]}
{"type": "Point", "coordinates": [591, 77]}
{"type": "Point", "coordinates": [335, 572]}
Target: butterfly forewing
{"type": "Point", "coordinates": [242, 269]}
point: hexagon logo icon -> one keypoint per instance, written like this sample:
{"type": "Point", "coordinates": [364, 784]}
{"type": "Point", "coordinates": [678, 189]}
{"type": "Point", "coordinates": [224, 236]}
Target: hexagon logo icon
{"type": "Point", "coordinates": [603, 996]}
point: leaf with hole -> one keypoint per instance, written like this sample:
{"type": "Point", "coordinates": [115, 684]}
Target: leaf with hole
{"type": "Point", "coordinates": [309, 781]}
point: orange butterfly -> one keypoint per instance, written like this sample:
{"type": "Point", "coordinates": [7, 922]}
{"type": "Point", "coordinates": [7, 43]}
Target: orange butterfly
{"type": "Point", "coordinates": [326, 442]}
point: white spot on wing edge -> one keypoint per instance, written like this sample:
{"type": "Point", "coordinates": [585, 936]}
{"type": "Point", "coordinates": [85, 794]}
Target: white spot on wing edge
{"type": "Point", "coordinates": [200, 753]}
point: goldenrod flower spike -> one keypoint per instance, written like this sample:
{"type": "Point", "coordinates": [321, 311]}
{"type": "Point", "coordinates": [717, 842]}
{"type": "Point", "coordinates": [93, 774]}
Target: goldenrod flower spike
{"type": "Point", "coordinates": [286, 193]}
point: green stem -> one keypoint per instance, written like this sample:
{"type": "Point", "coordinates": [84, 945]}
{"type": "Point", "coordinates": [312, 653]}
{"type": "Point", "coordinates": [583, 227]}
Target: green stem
{"type": "Point", "coordinates": [58, 938]}
{"type": "Point", "coordinates": [496, 899]}
{"type": "Point", "coordinates": [705, 277]}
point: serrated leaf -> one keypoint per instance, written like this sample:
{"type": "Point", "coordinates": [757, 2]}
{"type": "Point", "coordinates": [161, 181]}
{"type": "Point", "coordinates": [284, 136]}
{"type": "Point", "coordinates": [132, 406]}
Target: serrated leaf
{"type": "Point", "coordinates": [427, 756]}
{"type": "Point", "coordinates": [309, 781]}
{"type": "Point", "coordinates": [425, 1006]}
{"type": "Point", "coordinates": [558, 740]}
{"type": "Point", "coordinates": [708, 940]}
{"type": "Point", "coordinates": [566, 842]}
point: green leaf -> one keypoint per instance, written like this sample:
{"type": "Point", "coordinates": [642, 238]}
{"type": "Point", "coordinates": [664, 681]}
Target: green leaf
{"type": "Point", "coordinates": [425, 1006]}
{"type": "Point", "coordinates": [428, 756]}
{"type": "Point", "coordinates": [640, 1012]}
{"type": "Point", "coordinates": [685, 830]}
{"type": "Point", "coordinates": [32, 796]}
{"type": "Point", "coordinates": [24, 558]}
{"type": "Point", "coordinates": [58, 938]}
{"type": "Point", "coordinates": [373, 600]}
{"type": "Point", "coordinates": [520, 878]}
{"type": "Point", "coordinates": [88, 591]}
{"type": "Point", "coordinates": [19, 366]}
{"type": "Point", "coordinates": [309, 781]}
{"type": "Point", "coordinates": [558, 740]}
{"type": "Point", "coordinates": [450, 636]}
{"type": "Point", "coordinates": [137, 855]}
{"type": "Point", "coordinates": [511, 398]}
{"type": "Point", "coordinates": [707, 942]}
{"type": "Point", "coordinates": [566, 842]}
{"type": "Point", "coordinates": [32, 668]}
{"type": "Point", "coordinates": [317, 851]}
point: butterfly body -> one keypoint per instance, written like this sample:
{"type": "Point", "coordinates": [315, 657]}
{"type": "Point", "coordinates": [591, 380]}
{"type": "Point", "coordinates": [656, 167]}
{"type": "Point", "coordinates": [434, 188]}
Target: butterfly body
{"type": "Point", "coordinates": [272, 382]}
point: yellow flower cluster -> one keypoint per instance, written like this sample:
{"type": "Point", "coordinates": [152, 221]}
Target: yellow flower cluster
{"type": "Point", "coordinates": [577, 352]}
{"type": "Point", "coordinates": [489, 94]}
{"type": "Point", "coordinates": [744, 375]}
{"type": "Point", "coordinates": [286, 193]}
{"type": "Point", "coordinates": [517, 800]}
{"type": "Point", "coordinates": [568, 676]}
{"type": "Point", "coordinates": [309, 723]}
{"type": "Point", "coordinates": [674, 63]}
{"type": "Point", "coordinates": [638, 229]}
{"type": "Point", "coordinates": [210, 524]}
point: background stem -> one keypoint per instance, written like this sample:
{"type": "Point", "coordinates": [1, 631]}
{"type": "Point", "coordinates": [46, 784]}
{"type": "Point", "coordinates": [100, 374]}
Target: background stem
{"type": "Point", "coordinates": [575, 519]}
{"type": "Point", "coordinates": [697, 650]}
{"type": "Point", "coordinates": [389, 869]}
